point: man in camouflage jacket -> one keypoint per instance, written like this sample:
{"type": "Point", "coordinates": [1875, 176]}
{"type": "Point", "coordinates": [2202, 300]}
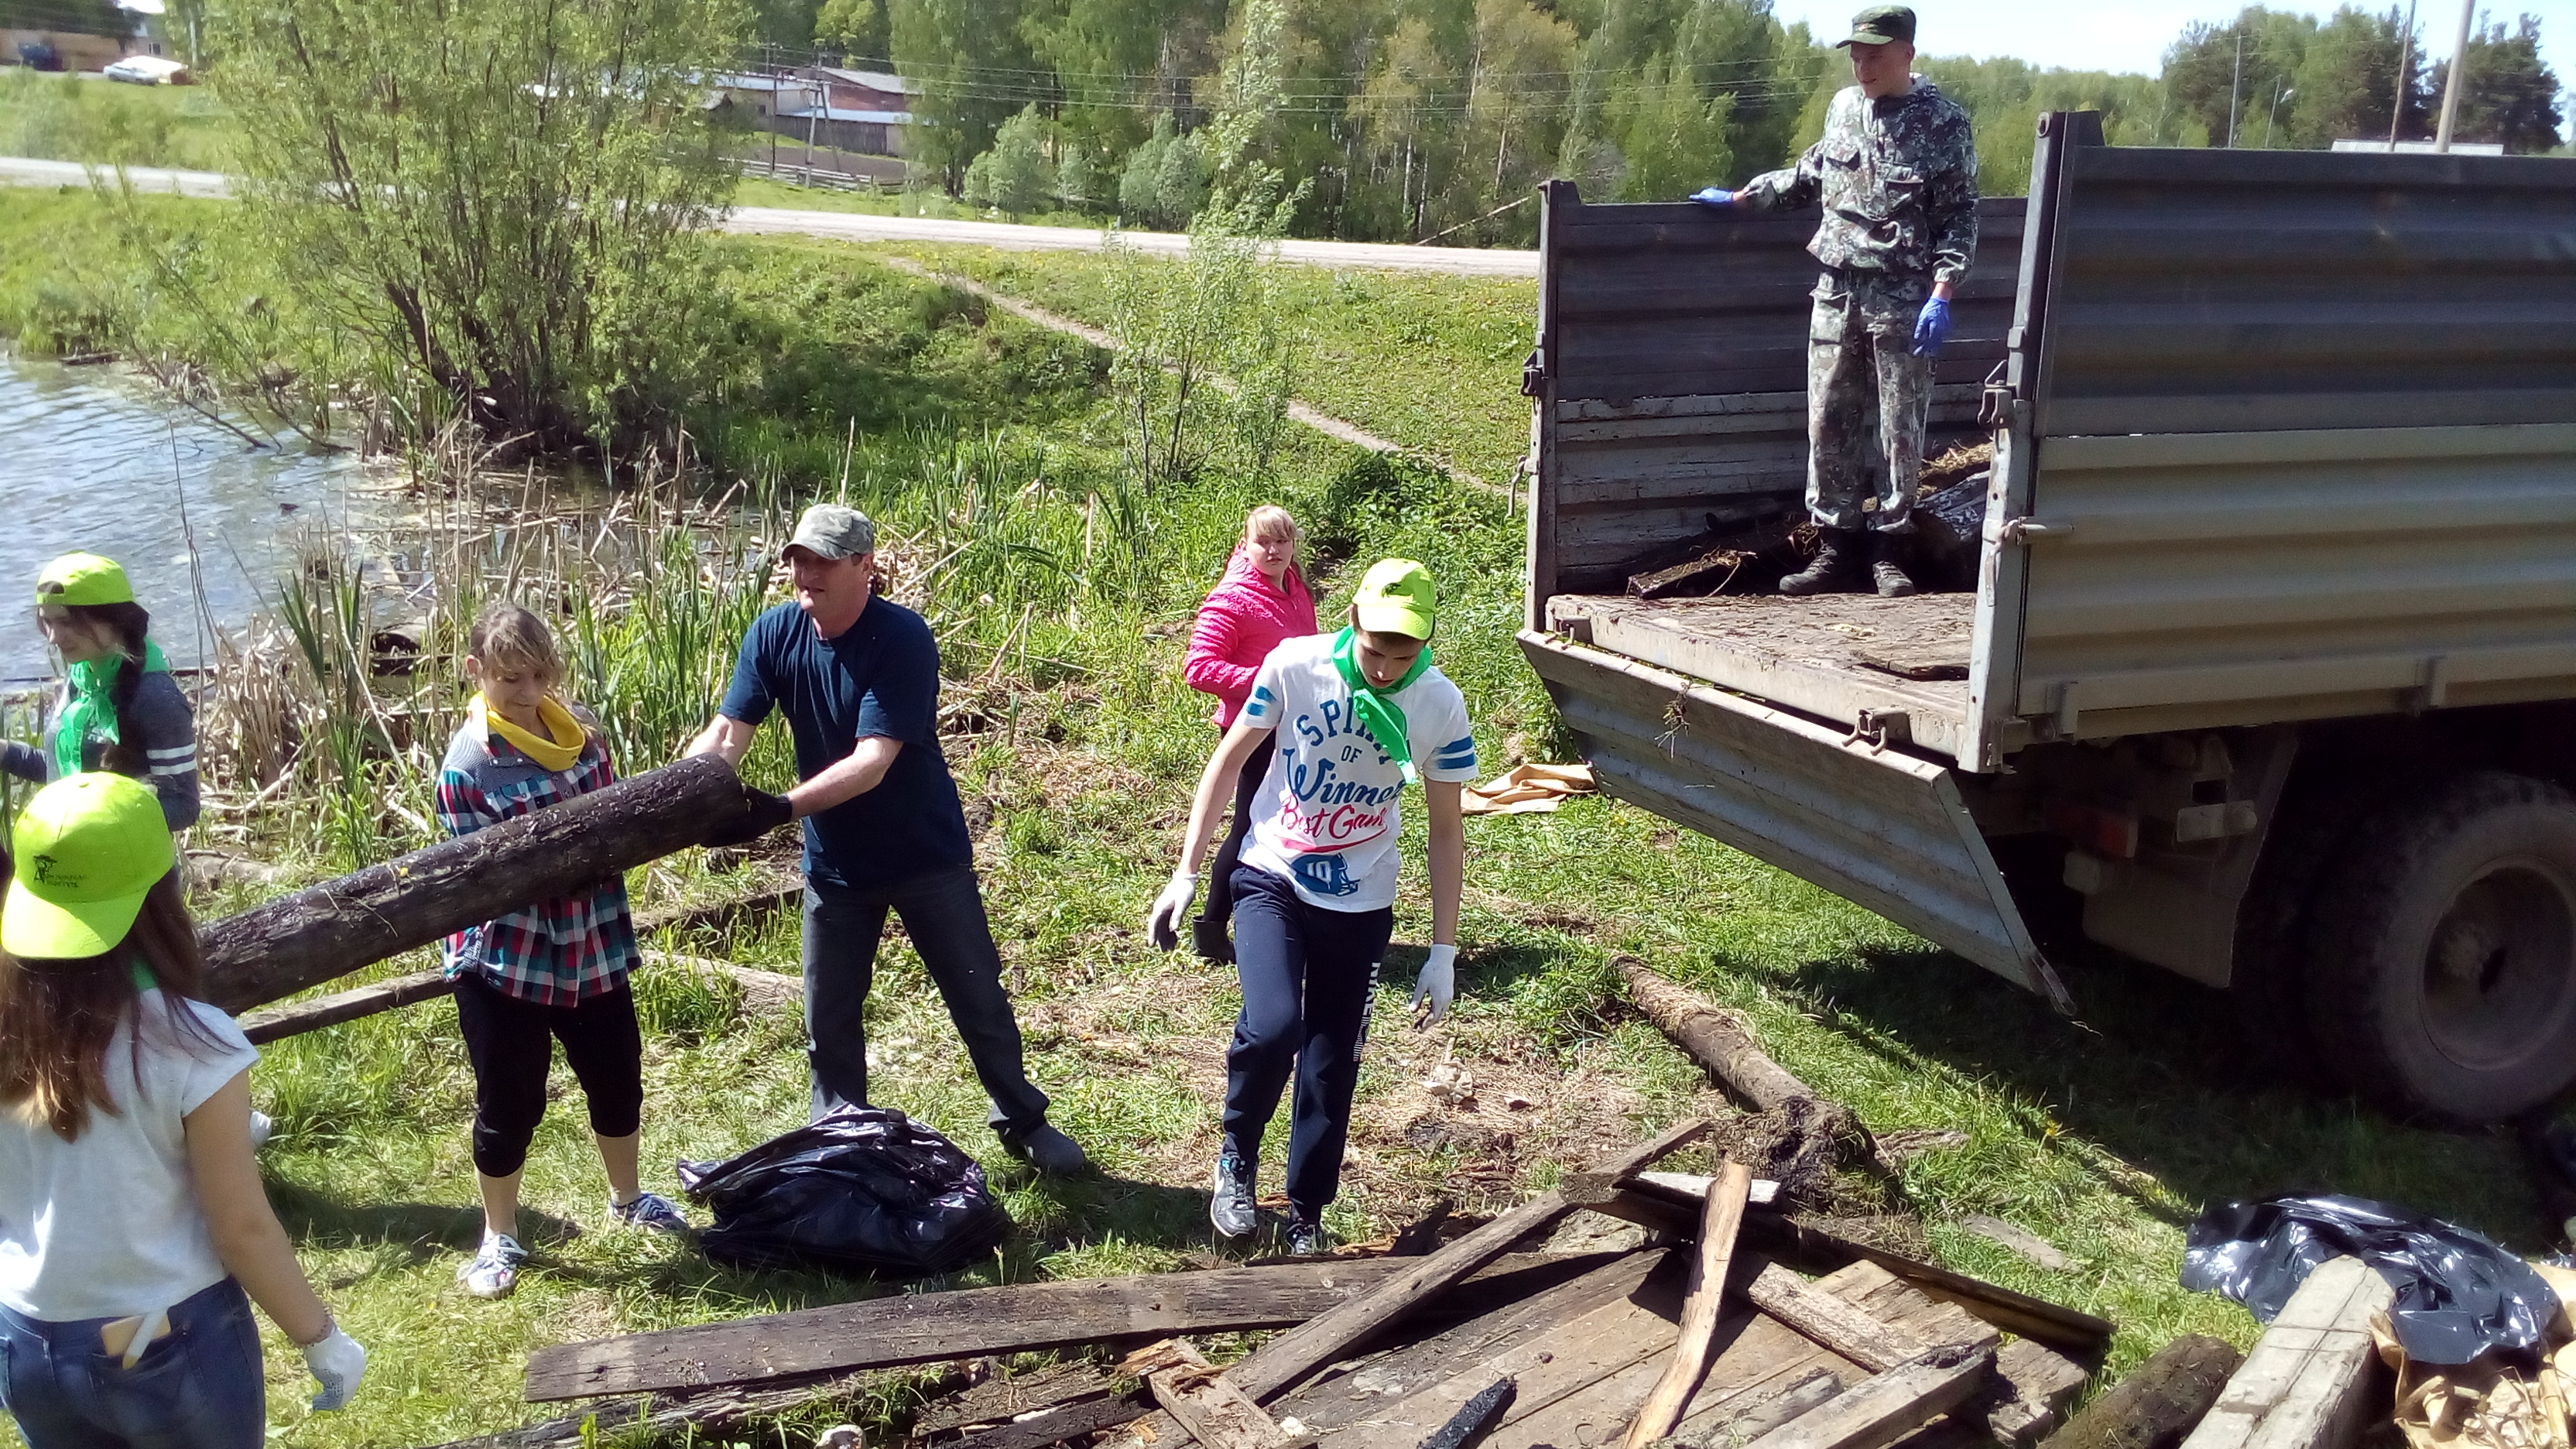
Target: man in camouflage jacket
{"type": "Point", "coordinates": [1896, 171]}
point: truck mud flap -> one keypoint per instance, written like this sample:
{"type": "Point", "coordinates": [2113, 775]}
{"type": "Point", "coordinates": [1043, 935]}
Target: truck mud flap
{"type": "Point", "coordinates": [1876, 826]}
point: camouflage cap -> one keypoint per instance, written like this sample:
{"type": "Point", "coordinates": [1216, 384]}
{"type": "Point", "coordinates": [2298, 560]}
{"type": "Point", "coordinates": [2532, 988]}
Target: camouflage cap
{"type": "Point", "coordinates": [1881, 25]}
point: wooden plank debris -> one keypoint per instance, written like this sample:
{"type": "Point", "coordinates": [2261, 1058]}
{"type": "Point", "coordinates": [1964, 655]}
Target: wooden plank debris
{"type": "Point", "coordinates": [2033, 1384]}
{"type": "Point", "coordinates": [928, 1327]}
{"type": "Point", "coordinates": [1281, 1363]}
{"type": "Point", "coordinates": [1011, 1396]}
{"type": "Point", "coordinates": [1831, 1321]}
{"type": "Point", "coordinates": [1480, 1413]}
{"type": "Point", "coordinates": [1884, 1407]}
{"type": "Point", "coordinates": [1204, 1402]}
{"type": "Point", "coordinates": [2054, 1324]}
{"type": "Point", "coordinates": [2305, 1384]}
{"type": "Point", "coordinates": [1672, 1393]}
{"type": "Point", "coordinates": [328, 930]}
{"type": "Point", "coordinates": [2159, 1403]}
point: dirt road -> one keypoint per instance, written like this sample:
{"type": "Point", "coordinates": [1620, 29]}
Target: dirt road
{"type": "Point", "coordinates": [846, 226]}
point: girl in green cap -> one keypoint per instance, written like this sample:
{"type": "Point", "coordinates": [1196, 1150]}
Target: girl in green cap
{"type": "Point", "coordinates": [120, 710]}
{"type": "Point", "coordinates": [1356, 716]}
{"type": "Point", "coordinates": [135, 1233]}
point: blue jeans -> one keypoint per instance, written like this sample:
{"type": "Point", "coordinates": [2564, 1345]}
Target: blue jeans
{"type": "Point", "coordinates": [943, 913]}
{"type": "Point", "coordinates": [1309, 976]}
{"type": "Point", "coordinates": [197, 1388]}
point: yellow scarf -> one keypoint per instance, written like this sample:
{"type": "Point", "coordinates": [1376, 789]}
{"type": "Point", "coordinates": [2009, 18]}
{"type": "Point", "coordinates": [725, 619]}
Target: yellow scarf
{"type": "Point", "coordinates": [554, 753]}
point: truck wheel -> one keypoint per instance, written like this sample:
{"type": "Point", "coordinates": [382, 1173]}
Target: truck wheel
{"type": "Point", "coordinates": [2442, 957]}
{"type": "Point", "coordinates": [2269, 984]}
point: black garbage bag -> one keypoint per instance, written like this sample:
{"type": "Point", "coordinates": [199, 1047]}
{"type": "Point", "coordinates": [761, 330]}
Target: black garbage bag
{"type": "Point", "coordinates": [2458, 1294]}
{"type": "Point", "coordinates": [866, 1190]}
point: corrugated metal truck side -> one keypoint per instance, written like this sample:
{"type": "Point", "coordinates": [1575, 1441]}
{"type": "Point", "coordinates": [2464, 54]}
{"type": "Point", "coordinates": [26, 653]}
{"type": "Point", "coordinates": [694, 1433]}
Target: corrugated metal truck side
{"type": "Point", "coordinates": [2273, 645]}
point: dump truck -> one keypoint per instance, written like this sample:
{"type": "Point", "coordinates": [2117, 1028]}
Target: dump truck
{"type": "Point", "coordinates": [2266, 675]}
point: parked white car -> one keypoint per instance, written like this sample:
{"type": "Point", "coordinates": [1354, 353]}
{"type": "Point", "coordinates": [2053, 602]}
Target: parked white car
{"type": "Point", "coordinates": [149, 70]}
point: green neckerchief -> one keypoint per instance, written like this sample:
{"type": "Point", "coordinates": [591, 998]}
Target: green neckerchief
{"type": "Point", "coordinates": [1381, 716]}
{"type": "Point", "coordinates": [88, 710]}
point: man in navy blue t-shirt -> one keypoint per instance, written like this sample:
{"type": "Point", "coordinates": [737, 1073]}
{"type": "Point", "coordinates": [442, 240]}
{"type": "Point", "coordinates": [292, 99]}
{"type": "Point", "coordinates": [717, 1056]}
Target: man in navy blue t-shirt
{"type": "Point", "coordinates": [858, 678]}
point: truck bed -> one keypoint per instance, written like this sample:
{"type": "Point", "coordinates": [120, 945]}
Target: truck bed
{"type": "Point", "coordinates": [1833, 657]}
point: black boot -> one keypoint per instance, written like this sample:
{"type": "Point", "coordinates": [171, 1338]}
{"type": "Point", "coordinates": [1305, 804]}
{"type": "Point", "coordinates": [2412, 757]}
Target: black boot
{"type": "Point", "coordinates": [1211, 941]}
{"type": "Point", "coordinates": [1837, 568]}
{"type": "Point", "coordinates": [1884, 570]}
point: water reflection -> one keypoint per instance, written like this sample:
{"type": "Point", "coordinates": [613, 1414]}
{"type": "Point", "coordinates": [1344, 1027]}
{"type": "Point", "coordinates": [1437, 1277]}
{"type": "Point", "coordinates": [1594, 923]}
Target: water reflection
{"type": "Point", "coordinates": [90, 460]}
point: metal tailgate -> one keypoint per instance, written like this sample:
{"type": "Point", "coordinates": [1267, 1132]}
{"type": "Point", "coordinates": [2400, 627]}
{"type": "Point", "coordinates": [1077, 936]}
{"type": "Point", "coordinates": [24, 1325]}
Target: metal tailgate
{"type": "Point", "coordinates": [1876, 826]}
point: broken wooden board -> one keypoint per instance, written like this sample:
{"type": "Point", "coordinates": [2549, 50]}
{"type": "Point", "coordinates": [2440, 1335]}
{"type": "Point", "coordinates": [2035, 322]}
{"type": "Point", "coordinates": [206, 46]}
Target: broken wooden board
{"type": "Point", "coordinates": [1885, 1407]}
{"type": "Point", "coordinates": [927, 1327]}
{"type": "Point", "coordinates": [1286, 1360]}
{"type": "Point", "coordinates": [1689, 1363]}
{"type": "Point", "coordinates": [1009, 1396]}
{"type": "Point", "coordinates": [1806, 1246]}
{"type": "Point", "coordinates": [1356, 1389]}
{"type": "Point", "coordinates": [1205, 1403]}
{"type": "Point", "coordinates": [2032, 1387]}
{"type": "Point", "coordinates": [2306, 1384]}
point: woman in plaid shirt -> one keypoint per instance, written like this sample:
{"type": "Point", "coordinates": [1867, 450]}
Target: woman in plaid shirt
{"type": "Point", "coordinates": [554, 971]}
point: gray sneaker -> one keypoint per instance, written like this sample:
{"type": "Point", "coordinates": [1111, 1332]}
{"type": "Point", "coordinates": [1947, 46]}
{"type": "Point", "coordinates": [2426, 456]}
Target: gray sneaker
{"type": "Point", "coordinates": [1231, 1205]}
{"type": "Point", "coordinates": [1305, 1237]}
{"type": "Point", "coordinates": [1046, 1148]}
{"type": "Point", "coordinates": [495, 1268]}
{"type": "Point", "coordinates": [649, 1210]}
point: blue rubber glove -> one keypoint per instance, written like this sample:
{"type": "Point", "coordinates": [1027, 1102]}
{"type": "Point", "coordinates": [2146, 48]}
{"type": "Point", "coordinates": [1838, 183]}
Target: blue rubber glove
{"type": "Point", "coordinates": [1932, 328]}
{"type": "Point", "coordinates": [1714, 196]}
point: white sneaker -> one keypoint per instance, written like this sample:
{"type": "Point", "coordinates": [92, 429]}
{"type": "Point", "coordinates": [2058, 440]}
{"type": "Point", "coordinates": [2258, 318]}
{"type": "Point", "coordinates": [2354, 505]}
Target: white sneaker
{"type": "Point", "coordinates": [260, 1128]}
{"type": "Point", "coordinates": [495, 1269]}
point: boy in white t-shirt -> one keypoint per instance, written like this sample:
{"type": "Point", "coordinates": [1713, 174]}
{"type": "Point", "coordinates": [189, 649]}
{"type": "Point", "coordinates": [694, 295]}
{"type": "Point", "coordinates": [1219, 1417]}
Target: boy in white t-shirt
{"type": "Point", "coordinates": [1356, 716]}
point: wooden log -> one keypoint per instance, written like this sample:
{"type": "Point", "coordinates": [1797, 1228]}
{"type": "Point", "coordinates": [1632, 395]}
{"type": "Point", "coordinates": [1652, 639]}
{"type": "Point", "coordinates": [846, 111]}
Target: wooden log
{"type": "Point", "coordinates": [2159, 1403]}
{"type": "Point", "coordinates": [329, 930]}
{"type": "Point", "coordinates": [279, 1022]}
{"type": "Point", "coordinates": [2054, 1324]}
{"type": "Point", "coordinates": [2306, 1384]}
{"type": "Point", "coordinates": [1672, 1393]}
{"type": "Point", "coordinates": [1280, 1364]}
{"type": "Point", "coordinates": [1719, 1041]}
{"type": "Point", "coordinates": [929, 1327]}
{"type": "Point", "coordinates": [761, 990]}
{"type": "Point", "coordinates": [1884, 1407]}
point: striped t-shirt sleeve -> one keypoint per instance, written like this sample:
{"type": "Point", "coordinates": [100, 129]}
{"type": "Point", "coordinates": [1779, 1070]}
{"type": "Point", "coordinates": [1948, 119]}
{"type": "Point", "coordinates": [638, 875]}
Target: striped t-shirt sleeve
{"type": "Point", "coordinates": [1444, 728]}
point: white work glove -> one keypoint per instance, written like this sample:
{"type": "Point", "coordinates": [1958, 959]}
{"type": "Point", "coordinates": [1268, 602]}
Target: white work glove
{"type": "Point", "coordinates": [337, 1364]}
{"type": "Point", "coordinates": [1433, 989]}
{"type": "Point", "coordinates": [1171, 908]}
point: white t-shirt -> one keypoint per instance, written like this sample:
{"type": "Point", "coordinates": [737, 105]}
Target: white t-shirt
{"type": "Point", "coordinates": [1329, 810]}
{"type": "Point", "coordinates": [107, 1225]}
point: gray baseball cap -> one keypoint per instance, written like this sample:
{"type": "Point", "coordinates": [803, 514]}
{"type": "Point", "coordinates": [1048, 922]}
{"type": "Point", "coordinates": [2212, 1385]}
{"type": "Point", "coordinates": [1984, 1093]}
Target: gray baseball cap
{"type": "Point", "coordinates": [833, 531]}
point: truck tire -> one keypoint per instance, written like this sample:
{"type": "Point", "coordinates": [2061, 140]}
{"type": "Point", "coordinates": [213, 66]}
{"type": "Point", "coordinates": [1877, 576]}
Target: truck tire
{"type": "Point", "coordinates": [2442, 953]}
{"type": "Point", "coordinates": [2269, 984]}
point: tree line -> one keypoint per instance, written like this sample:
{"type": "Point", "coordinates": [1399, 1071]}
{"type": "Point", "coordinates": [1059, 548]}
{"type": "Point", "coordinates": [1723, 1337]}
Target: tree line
{"type": "Point", "coordinates": [1423, 118]}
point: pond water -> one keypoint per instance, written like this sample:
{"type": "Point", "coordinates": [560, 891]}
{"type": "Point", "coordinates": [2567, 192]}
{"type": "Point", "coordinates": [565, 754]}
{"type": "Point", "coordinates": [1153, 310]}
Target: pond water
{"type": "Point", "coordinates": [97, 461]}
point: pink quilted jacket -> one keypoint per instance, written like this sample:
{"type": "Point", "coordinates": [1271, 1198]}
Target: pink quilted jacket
{"type": "Point", "coordinates": [1242, 620]}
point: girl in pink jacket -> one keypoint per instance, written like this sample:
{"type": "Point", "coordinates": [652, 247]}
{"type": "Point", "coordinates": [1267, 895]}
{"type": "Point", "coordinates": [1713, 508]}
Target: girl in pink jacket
{"type": "Point", "coordinates": [1260, 602]}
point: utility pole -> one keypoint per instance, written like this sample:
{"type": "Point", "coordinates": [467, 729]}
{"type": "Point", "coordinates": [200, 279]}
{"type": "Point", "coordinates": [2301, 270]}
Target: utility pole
{"type": "Point", "coordinates": [2234, 84]}
{"type": "Point", "coordinates": [2451, 88]}
{"type": "Point", "coordinates": [2405, 76]}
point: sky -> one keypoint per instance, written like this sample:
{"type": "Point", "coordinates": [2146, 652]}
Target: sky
{"type": "Point", "coordinates": [2131, 35]}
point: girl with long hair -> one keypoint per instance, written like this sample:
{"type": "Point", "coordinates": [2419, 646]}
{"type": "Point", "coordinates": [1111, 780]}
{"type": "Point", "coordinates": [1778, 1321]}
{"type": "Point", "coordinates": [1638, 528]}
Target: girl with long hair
{"type": "Point", "coordinates": [134, 1231]}
{"type": "Point", "coordinates": [119, 709]}
{"type": "Point", "coordinates": [1260, 602]}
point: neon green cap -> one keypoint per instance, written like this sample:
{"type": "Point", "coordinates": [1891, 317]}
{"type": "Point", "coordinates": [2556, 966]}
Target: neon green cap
{"type": "Point", "coordinates": [89, 848]}
{"type": "Point", "coordinates": [1396, 597]}
{"type": "Point", "coordinates": [83, 578]}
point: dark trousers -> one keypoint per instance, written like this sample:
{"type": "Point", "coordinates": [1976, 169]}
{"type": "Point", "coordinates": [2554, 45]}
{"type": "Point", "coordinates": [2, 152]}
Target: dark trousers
{"type": "Point", "coordinates": [1220, 897]}
{"type": "Point", "coordinates": [198, 1388]}
{"type": "Point", "coordinates": [943, 912]}
{"type": "Point", "coordinates": [1308, 977]}
{"type": "Point", "coordinates": [512, 1044]}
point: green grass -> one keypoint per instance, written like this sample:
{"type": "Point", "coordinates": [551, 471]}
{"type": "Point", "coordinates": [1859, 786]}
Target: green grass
{"type": "Point", "coordinates": [762, 191]}
{"type": "Point", "coordinates": [68, 118]}
{"type": "Point", "coordinates": [1426, 361]}
{"type": "Point", "coordinates": [1063, 606]}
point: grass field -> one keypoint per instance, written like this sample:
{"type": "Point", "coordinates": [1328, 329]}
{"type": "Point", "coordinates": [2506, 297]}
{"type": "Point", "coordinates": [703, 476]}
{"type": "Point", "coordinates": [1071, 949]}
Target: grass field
{"type": "Point", "coordinates": [73, 118]}
{"type": "Point", "coordinates": [972, 433]}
